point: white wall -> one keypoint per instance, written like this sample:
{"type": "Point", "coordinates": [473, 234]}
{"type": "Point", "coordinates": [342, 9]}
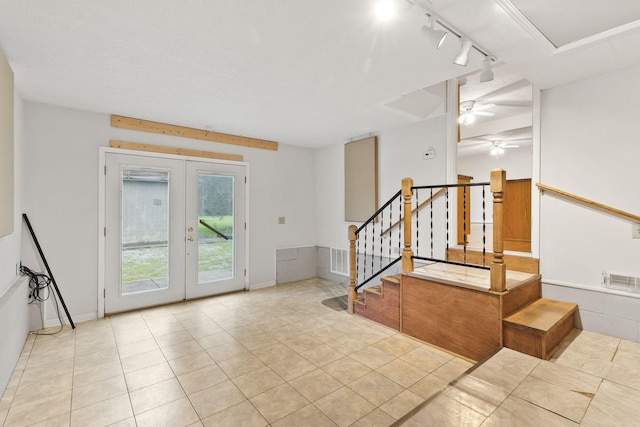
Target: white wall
{"type": "Point", "coordinates": [516, 161]}
{"type": "Point", "coordinates": [13, 295]}
{"type": "Point", "coordinates": [589, 147]}
{"type": "Point", "coordinates": [61, 187]}
{"type": "Point", "coordinates": [399, 156]}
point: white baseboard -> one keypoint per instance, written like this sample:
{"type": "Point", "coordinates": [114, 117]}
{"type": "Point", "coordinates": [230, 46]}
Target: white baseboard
{"type": "Point", "coordinates": [262, 285]}
{"type": "Point", "coordinates": [77, 318]}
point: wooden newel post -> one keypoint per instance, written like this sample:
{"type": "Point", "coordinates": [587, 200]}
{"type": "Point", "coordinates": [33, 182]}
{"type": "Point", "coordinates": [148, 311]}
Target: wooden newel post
{"type": "Point", "coordinates": [498, 267]}
{"type": "Point", "coordinates": [407, 252]}
{"type": "Point", "coordinates": [352, 295]}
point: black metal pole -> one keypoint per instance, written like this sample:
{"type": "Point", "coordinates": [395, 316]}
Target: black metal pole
{"type": "Point", "coordinates": [46, 265]}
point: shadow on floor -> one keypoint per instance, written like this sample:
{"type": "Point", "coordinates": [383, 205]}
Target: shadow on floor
{"type": "Point", "coordinates": [336, 303]}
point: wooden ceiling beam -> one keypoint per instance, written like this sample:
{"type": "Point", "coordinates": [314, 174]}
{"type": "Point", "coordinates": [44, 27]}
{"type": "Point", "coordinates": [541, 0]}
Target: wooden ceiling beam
{"type": "Point", "coordinates": [186, 132]}
{"type": "Point", "coordinates": [173, 150]}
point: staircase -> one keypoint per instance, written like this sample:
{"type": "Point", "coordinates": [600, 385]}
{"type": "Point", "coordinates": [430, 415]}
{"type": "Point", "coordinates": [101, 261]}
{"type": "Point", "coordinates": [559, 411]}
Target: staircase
{"type": "Point", "coordinates": [381, 303]}
{"type": "Point", "coordinates": [468, 303]}
{"type": "Point", "coordinates": [468, 322]}
{"type": "Point", "coordinates": [536, 329]}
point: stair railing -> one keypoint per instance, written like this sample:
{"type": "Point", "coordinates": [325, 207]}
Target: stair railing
{"type": "Point", "coordinates": [371, 252]}
{"type": "Point", "coordinates": [366, 263]}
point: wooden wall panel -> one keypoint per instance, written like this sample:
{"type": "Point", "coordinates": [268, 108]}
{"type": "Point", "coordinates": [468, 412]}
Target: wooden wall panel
{"type": "Point", "coordinates": [460, 320]}
{"type": "Point", "coordinates": [6, 148]}
{"type": "Point", "coordinates": [360, 179]}
{"type": "Point", "coordinates": [517, 214]}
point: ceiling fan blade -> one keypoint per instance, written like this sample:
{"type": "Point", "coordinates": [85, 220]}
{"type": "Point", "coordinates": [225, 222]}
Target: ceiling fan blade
{"type": "Point", "coordinates": [507, 140]}
{"type": "Point", "coordinates": [509, 146]}
{"type": "Point", "coordinates": [481, 107]}
{"type": "Point", "coordinates": [514, 104]}
{"type": "Point", "coordinates": [484, 113]}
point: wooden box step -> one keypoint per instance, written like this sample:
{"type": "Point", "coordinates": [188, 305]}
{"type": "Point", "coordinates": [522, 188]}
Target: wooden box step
{"type": "Point", "coordinates": [538, 328]}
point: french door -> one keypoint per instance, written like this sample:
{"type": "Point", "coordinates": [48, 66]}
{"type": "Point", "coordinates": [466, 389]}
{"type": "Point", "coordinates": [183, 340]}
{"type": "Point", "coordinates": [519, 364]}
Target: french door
{"type": "Point", "coordinates": [175, 229]}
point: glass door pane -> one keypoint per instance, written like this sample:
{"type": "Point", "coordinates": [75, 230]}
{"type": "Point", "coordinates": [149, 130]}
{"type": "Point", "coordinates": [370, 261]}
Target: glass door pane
{"type": "Point", "coordinates": [145, 231]}
{"type": "Point", "coordinates": [215, 227]}
{"type": "Point", "coordinates": [145, 239]}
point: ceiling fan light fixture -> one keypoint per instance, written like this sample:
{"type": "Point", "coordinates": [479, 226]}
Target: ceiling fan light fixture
{"type": "Point", "coordinates": [467, 118]}
{"type": "Point", "coordinates": [436, 37]}
{"type": "Point", "coordinates": [497, 151]}
{"type": "Point", "coordinates": [463, 57]}
{"type": "Point", "coordinates": [486, 75]}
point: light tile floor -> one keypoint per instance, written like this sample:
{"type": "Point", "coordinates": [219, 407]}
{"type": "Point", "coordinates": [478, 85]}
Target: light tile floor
{"type": "Point", "coordinates": [279, 357]}
{"type": "Point", "coordinates": [592, 380]}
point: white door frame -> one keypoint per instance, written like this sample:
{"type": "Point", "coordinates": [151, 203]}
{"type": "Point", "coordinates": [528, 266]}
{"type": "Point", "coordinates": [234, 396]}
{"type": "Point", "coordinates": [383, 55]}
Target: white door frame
{"type": "Point", "coordinates": [102, 209]}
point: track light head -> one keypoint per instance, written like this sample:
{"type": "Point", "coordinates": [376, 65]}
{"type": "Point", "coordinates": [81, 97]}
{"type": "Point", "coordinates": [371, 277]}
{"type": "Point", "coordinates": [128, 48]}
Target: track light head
{"type": "Point", "coordinates": [486, 75]}
{"type": "Point", "coordinates": [463, 57]}
{"type": "Point", "coordinates": [436, 37]}
{"type": "Point", "coordinates": [385, 10]}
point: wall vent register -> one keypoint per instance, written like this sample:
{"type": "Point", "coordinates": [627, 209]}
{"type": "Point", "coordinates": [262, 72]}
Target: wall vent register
{"type": "Point", "coordinates": [621, 283]}
{"type": "Point", "coordinates": [340, 261]}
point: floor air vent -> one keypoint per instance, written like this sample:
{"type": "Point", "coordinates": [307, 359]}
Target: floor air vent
{"type": "Point", "coordinates": [340, 261]}
{"type": "Point", "coordinates": [621, 283]}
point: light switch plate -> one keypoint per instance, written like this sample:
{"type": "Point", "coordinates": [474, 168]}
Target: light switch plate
{"type": "Point", "coordinates": [635, 231]}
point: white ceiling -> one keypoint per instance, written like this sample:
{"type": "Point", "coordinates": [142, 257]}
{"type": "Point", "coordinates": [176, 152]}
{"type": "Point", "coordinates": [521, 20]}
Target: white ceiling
{"type": "Point", "coordinates": [301, 72]}
{"type": "Point", "coordinates": [583, 19]}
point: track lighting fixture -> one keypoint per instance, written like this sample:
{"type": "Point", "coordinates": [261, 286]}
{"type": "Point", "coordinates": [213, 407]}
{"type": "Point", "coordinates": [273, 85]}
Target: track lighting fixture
{"type": "Point", "coordinates": [486, 75]}
{"type": "Point", "coordinates": [463, 57]}
{"type": "Point", "coordinates": [385, 10]}
{"type": "Point", "coordinates": [436, 37]}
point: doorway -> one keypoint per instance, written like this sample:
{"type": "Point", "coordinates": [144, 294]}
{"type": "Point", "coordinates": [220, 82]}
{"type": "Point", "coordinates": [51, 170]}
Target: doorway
{"type": "Point", "coordinates": [497, 128]}
{"type": "Point", "coordinates": [175, 230]}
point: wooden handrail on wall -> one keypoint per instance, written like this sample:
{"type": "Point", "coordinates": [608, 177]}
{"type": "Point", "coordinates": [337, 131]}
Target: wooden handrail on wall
{"type": "Point", "coordinates": [420, 206]}
{"type": "Point", "coordinates": [590, 203]}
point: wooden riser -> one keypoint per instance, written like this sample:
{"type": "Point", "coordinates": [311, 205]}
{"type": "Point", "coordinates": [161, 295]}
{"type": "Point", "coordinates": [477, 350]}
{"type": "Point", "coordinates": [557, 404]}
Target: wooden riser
{"type": "Point", "coordinates": [460, 320]}
{"type": "Point", "coordinates": [538, 328]}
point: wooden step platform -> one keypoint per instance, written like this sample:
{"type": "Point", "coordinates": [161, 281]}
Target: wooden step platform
{"type": "Point", "coordinates": [538, 328]}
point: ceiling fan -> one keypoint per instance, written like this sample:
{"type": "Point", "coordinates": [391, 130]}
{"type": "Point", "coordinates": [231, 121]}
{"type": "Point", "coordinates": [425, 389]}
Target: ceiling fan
{"type": "Point", "coordinates": [497, 147]}
{"type": "Point", "coordinates": [470, 109]}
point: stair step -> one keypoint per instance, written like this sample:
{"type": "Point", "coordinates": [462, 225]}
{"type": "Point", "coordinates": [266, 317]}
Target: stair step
{"type": "Point", "coordinates": [538, 328]}
{"type": "Point", "coordinates": [541, 315]}
{"type": "Point", "coordinates": [394, 280]}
